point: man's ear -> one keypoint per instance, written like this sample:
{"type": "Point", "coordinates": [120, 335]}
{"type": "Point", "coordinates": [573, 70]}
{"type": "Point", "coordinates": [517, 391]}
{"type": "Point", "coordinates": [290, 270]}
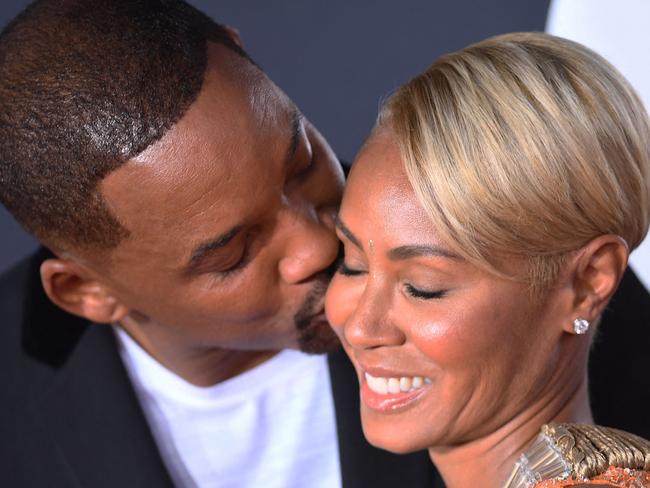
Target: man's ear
{"type": "Point", "coordinates": [71, 286]}
{"type": "Point", "coordinates": [234, 35]}
{"type": "Point", "coordinates": [598, 269]}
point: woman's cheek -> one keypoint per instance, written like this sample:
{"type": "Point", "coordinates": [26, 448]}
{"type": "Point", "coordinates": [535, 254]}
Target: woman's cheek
{"type": "Point", "coordinates": [340, 302]}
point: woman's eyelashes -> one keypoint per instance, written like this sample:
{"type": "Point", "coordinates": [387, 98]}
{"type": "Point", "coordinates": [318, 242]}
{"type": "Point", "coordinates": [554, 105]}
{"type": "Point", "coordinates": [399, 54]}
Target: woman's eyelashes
{"type": "Point", "coordinates": [413, 291]}
{"type": "Point", "coordinates": [424, 294]}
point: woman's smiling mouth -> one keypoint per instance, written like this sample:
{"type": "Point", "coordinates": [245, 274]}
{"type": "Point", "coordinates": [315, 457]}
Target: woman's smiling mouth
{"type": "Point", "coordinates": [391, 393]}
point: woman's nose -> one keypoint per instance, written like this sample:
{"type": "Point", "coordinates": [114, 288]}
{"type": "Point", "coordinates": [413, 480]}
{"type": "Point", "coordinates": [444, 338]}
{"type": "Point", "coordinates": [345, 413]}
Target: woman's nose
{"type": "Point", "coordinates": [371, 325]}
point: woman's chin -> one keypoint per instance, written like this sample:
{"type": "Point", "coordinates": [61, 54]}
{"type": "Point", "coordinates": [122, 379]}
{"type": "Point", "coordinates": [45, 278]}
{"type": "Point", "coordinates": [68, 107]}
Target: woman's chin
{"type": "Point", "coordinates": [393, 436]}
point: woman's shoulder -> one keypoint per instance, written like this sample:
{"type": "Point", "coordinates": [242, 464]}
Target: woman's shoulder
{"type": "Point", "coordinates": [574, 455]}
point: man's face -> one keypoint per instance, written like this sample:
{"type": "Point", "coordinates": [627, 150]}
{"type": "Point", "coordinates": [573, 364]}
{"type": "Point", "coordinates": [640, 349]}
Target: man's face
{"type": "Point", "coordinates": [231, 221]}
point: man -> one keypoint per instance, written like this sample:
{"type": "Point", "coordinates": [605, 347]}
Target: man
{"type": "Point", "coordinates": [188, 206]}
{"type": "Point", "coordinates": [188, 203]}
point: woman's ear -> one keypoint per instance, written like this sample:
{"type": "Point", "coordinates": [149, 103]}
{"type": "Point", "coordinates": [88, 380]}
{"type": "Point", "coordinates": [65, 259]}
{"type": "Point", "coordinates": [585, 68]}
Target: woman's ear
{"type": "Point", "coordinates": [598, 269]}
{"type": "Point", "coordinates": [70, 286]}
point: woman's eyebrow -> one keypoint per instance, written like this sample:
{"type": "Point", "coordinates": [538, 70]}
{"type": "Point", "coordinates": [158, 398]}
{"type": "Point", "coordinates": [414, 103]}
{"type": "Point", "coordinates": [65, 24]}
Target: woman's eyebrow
{"type": "Point", "coordinates": [413, 251]}
{"type": "Point", "coordinates": [401, 252]}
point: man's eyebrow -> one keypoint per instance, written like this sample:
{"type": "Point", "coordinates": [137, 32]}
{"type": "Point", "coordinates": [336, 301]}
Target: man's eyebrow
{"type": "Point", "coordinates": [414, 251]}
{"type": "Point", "coordinates": [204, 249]}
{"type": "Point", "coordinates": [347, 232]}
{"type": "Point", "coordinates": [296, 126]}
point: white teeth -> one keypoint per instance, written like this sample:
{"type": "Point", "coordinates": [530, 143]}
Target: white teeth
{"type": "Point", "coordinates": [405, 383]}
{"type": "Point", "coordinates": [393, 385]}
{"type": "Point", "coordinates": [384, 386]}
{"type": "Point", "coordinates": [378, 385]}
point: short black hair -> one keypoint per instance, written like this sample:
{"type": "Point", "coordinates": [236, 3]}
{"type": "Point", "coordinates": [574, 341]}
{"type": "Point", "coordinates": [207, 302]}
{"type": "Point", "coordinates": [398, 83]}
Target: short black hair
{"type": "Point", "coordinates": [86, 85]}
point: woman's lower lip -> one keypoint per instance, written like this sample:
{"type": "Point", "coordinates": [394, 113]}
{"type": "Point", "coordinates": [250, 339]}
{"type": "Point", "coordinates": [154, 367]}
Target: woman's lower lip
{"type": "Point", "coordinates": [391, 402]}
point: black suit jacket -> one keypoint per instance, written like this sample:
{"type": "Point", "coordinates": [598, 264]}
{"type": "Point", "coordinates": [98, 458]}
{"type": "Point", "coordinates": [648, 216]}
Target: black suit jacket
{"type": "Point", "coordinates": [69, 416]}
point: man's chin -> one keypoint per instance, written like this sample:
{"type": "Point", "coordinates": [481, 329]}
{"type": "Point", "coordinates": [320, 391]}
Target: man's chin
{"type": "Point", "coordinates": [317, 337]}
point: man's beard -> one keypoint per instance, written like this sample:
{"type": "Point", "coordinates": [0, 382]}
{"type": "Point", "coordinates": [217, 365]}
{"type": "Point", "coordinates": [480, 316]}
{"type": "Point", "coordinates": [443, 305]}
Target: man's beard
{"type": "Point", "coordinates": [315, 336]}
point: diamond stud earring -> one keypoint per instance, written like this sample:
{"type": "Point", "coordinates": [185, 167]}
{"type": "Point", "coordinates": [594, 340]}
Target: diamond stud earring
{"type": "Point", "coordinates": [580, 326]}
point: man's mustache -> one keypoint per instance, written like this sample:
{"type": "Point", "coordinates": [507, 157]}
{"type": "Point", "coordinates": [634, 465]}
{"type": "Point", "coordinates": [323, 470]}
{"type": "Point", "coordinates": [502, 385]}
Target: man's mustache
{"type": "Point", "coordinates": [313, 303]}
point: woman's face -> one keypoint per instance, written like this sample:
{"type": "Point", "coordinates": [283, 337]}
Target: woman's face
{"type": "Point", "coordinates": [445, 352]}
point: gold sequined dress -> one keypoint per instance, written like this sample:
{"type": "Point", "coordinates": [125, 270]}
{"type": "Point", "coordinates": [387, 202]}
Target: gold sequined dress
{"type": "Point", "coordinates": [581, 455]}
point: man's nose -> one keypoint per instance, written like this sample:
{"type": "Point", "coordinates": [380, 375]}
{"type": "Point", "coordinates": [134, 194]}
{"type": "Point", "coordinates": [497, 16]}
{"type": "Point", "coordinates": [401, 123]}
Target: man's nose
{"type": "Point", "coordinates": [311, 244]}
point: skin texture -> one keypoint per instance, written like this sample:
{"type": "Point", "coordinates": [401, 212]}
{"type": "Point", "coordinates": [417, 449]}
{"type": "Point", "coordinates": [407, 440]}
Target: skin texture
{"type": "Point", "coordinates": [223, 166]}
{"type": "Point", "coordinates": [501, 361]}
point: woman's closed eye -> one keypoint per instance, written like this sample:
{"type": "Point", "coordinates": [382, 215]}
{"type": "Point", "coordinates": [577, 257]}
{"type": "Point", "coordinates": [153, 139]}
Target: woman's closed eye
{"type": "Point", "coordinates": [424, 294]}
{"type": "Point", "coordinates": [415, 292]}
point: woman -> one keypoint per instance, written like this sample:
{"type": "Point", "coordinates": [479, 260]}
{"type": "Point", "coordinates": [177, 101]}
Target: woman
{"type": "Point", "coordinates": [487, 223]}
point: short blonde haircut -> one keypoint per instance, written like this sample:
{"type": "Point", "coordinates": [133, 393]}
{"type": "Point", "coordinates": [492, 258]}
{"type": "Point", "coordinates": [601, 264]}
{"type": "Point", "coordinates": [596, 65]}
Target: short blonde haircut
{"type": "Point", "coordinates": [525, 144]}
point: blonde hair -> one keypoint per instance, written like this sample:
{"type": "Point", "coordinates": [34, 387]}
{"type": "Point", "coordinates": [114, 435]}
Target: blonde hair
{"type": "Point", "coordinates": [525, 144]}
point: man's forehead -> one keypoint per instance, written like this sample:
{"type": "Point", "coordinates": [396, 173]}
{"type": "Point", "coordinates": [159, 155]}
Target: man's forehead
{"type": "Point", "coordinates": [236, 107]}
{"type": "Point", "coordinates": [244, 86]}
{"type": "Point", "coordinates": [223, 148]}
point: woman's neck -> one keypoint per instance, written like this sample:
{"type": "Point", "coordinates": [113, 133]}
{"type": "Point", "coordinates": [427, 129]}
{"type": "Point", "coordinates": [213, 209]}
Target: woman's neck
{"type": "Point", "coordinates": [488, 461]}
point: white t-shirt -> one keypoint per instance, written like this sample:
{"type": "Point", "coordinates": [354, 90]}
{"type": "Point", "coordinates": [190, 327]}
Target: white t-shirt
{"type": "Point", "coordinates": [272, 426]}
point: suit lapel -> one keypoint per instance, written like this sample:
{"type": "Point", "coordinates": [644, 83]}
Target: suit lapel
{"type": "Point", "coordinates": [361, 464]}
{"type": "Point", "coordinates": [86, 404]}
